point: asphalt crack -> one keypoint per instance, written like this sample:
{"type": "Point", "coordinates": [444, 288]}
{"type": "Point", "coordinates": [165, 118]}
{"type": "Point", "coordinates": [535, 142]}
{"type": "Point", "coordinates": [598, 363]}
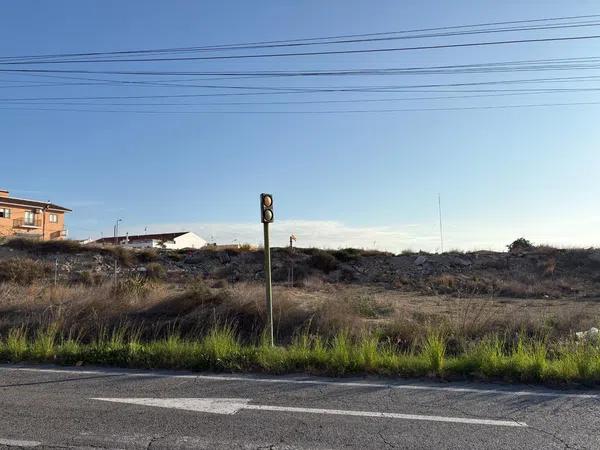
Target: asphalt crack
{"type": "Point", "coordinates": [153, 439]}
{"type": "Point", "coordinates": [385, 441]}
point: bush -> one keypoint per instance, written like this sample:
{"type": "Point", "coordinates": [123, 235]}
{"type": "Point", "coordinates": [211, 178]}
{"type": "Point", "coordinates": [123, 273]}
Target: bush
{"type": "Point", "coordinates": [520, 245]}
{"type": "Point", "coordinates": [126, 256]}
{"type": "Point", "coordinates": [324, 261]}
{"type": "Point", "coordinates": [133, 287]}
{"type": "Point", "coordinates": [147, 255]}
{"type": "Point", "coordinates": [88, 278]}
{"type": "Point", "coordinates": [44, 247]}
{"type": "Point", "coordinates": [346, 254]}
{"type": "Point", "coordinates": [156, 271]}
{"type": "Point", "coordinates": [23, 271]}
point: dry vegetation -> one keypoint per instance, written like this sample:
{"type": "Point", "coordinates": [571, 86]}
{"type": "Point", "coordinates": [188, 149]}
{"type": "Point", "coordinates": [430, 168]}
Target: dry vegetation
{"type": "Point", "coordinates": [320, 329]}
{"type": "Point", "coordinates": [154, 308]}
{"type": "Point", "coordinates": [498, 317]}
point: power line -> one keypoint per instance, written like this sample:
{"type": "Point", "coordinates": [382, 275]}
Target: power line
{"type": "Point", "coordinates": [269, 90]}
{"type": "Point", "coordinates": [489, 67]}
{"type": "Point", "coordinates": [332, 42]}
{"type": "Point", "coordinates": [316, 53]}
{"type": "Point", "coordinates": [328, 39]}
{"type": "Point", "coordinates": [355, 111]}
{"type": "Point", "coordinates": [304, 102]}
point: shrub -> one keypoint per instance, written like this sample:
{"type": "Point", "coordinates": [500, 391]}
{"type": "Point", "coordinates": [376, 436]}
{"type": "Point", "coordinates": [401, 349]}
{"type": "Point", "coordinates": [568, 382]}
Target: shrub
{"type": "Point", "coordinates": [44, 247]}
{"type": "Point", "coordinates": [156, 271]}
{"type": "Point", "coordinates": [520, 245]}
{"type": "Point", "coordinates": [324, 261]}
{"type": "Point", "coordinates": [22, 270]}
{"type": "Point", "coordinates": [132, 287]}
{"type": "Point", "coordinates": [147, 255]}
{"type": "Point", "coordinates": [125, 256]}
{"type": "Point", "coordinates": [366, 306]}
{"type": "Point", "coordinates": [88, 278]}
{"type": "Point", "coordinates": [346, 254]}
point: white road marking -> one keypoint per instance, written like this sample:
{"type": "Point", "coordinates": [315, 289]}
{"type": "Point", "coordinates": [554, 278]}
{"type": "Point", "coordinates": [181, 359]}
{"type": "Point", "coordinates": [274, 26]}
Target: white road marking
{"type": "Point", "coordinates": [317, 382]}
{"type": "Point", "coordinates": [18, 443]}
{"type": "Point", "coordinates": [231, 406]}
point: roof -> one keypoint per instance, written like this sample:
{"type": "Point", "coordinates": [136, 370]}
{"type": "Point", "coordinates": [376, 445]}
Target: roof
{"type": "Point", "coordinates": [32, 203]}
{"type": "Point", "coordinates": [142, 237]}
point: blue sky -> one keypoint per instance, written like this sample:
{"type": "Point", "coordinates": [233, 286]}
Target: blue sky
{"type": "Point", "coordinates": [361, 179]}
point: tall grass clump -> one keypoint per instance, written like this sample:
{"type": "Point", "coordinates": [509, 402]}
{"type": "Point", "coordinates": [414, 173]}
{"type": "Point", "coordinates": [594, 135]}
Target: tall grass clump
{"type": "Point", "coordinates": [575, 361]}
{"type": "Point", "coordinates": [486, 358]}
{"type": "Point", "coordinates": [528, 360]}
{"type": "Point", "coordinates": [44, 345]}
{"type": "Point", "coordinates": [434, 351]}
{"type": "Point", "coordinates": [16, 345]}
{"type": "Point", "coordinates": [366, 353]}
{"type": "Point", "coordinates": [221, 348]}
{"type": "Point", "coordinates": [340, 353]}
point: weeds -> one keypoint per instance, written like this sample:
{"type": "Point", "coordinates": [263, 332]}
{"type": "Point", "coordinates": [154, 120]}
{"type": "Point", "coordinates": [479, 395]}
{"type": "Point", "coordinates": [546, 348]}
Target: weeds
{"type": "Point", "coordinates": [23, 270]}
{"type": "Point", "coordinates": [220, 349]}
{"type": "Point", "coordinates": [434, 351]}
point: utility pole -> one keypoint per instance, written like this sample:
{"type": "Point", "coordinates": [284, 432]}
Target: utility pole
{"type": "Point", "coordinates": [44, 209]}
{"type": "Point", "coordinates": [266, 206]}
{"type": "Point", "coordinates": [116, 229]}
{"type": "Point", "coordinates": [441, 230]}
{"type": "Point", "coordinates": [292, 239]}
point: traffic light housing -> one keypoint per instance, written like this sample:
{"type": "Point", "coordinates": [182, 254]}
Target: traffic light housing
{"type": "Point", "coordinates": [266, 208]}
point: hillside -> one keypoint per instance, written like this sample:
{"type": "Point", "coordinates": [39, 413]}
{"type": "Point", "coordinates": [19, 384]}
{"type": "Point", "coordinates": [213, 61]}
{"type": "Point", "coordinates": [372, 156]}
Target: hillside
{"type": "Point", "coordinates": [537, 272]}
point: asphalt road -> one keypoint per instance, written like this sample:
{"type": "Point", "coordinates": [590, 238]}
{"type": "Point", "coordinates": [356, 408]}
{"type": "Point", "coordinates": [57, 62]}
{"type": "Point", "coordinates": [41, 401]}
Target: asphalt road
{"type": "Point", "coordinates": [49, 407]}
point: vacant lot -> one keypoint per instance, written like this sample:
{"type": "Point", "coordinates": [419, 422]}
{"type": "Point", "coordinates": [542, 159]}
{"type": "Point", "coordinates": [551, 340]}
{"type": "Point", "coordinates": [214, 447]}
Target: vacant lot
{"type": "Point", "coordinates": [155, 307]}
{"type": "Point", "coordinates": [348, 311]}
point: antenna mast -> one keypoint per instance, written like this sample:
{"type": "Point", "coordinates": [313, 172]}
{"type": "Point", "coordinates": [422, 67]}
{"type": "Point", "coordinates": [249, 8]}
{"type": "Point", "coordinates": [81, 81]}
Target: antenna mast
{"type": "Point", "coordinates": [441, 229]}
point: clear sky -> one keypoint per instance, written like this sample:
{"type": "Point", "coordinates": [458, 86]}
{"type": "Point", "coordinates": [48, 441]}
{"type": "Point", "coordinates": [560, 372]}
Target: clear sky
{"type": "Point", "coordinates": [364, 179]}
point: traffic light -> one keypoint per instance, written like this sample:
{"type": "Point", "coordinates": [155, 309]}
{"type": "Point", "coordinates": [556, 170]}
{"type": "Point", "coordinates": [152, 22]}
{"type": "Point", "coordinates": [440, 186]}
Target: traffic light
{"type": "Point", "coordinates": [266, 206]}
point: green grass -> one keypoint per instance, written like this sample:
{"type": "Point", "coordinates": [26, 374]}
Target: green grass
{"type": "Point", "coordinates": [528, 360]}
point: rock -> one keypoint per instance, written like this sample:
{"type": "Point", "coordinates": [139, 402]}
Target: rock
{"type": "Point", "coordinates": [595, 256]}
{"type": "Point", "coordinates": [420, 260]}
{"type": "Point", "coordinates": [591, 334]}
{"type": "Point", "coordinates": [461, 262]}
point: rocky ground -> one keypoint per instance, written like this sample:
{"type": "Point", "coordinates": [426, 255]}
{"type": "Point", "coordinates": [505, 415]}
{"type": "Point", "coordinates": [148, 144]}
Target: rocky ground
{"type": "Point", "coordinates": [537, 272]}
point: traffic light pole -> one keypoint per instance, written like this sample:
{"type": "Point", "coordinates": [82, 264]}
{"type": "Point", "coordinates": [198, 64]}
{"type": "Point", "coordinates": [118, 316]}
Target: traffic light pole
{"type": "Point", "coordinates": [268, 283]}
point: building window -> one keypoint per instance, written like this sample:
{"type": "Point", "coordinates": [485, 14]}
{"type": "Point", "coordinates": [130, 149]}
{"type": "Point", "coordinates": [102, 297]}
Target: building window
{"type": "Point", "coordinates": [4, 213]}
{"type": "Point", "coordinates": [53, 218]}
{"type": "Point", "coordinates": [29, 218]}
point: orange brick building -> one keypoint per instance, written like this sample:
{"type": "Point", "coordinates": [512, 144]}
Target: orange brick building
{"type": "Point", "coordinates": [31, 218]}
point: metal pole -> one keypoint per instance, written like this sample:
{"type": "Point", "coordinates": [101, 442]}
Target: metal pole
{"type": "Point", "coordinates": [441, 231]}
{"type": "Point", "coordinates": [291, 261]}
{"type": "Point", "coordinates": [116, 230]}
{"type": "Point", "coordinates": [56, 271]}
{"type": "Point", "coordinates": [44, 224]}
{"type": "Point", "coordinates": [269, 289]}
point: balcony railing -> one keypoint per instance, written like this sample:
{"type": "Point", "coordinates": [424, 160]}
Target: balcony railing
{"type": "Point", "coordinates": [58, 234]}
{"type": "Point", "coordinates": [27, 223]}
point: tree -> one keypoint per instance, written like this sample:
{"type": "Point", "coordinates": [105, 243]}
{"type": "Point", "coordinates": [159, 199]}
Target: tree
{"type": "Point", "coordinates": [520, 245]}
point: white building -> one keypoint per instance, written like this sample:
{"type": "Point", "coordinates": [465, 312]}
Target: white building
{"type": "Point", "coordinates": [172, 241]}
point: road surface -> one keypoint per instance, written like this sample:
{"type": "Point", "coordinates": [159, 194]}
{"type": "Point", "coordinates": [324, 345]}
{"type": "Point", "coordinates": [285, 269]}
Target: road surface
{"type": "Point", "coordinates": [51, 407]}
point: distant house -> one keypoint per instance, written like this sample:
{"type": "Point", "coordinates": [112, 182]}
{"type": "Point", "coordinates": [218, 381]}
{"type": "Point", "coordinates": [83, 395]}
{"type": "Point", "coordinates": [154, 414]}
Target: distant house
{"type": "Point", "coordinates": [31, 218]}
{"type": "Point", "coordinates": [173, 241]}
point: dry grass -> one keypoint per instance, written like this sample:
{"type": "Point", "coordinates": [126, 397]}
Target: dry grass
{"type": "Point", "coordinates": [125, 256]}
{"type": "Point", "coordinates": [155, 308]}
